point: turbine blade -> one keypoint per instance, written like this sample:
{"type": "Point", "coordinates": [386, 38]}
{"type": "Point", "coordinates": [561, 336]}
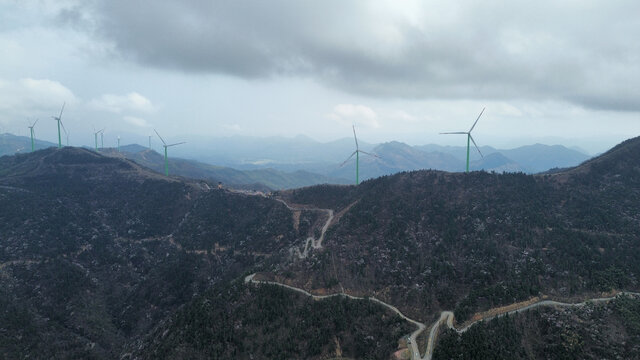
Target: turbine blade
{"type": "Point", "coordinates": [374, 155]}
{"type": "Point", "coordinates": [161, 139]}
{"type": "Point", "coordinates": [349, 158]}
{"type": "Point", "coordinates": [61, 110]}
{"type": "Point", "coordinates": [476, 145]}
{"type": "Point", "coordinates": [354, 136]}
{"type": "Point", "coordinates": [34, 124]}
{"type": "Point", "coordinates": [180, 143]}
{"type": "Point", "coordinates": [63, 129]}
{"type": "Point", "coordinates": [457, 132]}
{"type": "Point", "coordinates": [474, 124]}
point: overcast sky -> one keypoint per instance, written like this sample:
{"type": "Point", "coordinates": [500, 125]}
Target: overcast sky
{"type": "Point", "coordinates": [547, 71]}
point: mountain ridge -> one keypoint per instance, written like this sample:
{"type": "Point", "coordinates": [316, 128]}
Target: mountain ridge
{"type": "Point", "coordinates": [302, 153]}
{"type": "Point", "coordinates": [101, 257]}
{"type": "Point", "coordinates": [432, 211]}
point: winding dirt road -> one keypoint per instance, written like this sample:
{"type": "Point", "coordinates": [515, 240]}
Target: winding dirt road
{"type": "Point", "coordinates": [446, 317]}
{"type": "Point", "coordinates": [421, 326]}
{"type": "Point", "coordinates": [311, 242]}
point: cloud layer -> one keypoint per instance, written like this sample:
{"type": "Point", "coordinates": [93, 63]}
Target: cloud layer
{"type": "Point", "coordinates": [582, 52]}
{"type": "Point", "coordinates": [350, 114]}
{"type": "Point", "coordinates": [122, 103]}
{"type": "Point", "coordinates": [24, 96]}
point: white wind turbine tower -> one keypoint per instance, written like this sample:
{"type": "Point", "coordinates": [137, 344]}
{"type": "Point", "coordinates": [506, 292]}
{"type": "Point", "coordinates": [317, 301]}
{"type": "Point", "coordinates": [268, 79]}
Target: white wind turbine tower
{"type": "Point", "coordinates": [59, 120]}
{"type": "Point", "coordinates": [95, 136]}
{"type": "Point", "coordinates": [469, 138]}
{"type": "Point", "coordinates": [166, 162]}
{"type": "Point", "coordinates": [33, 134]}
{"type": "Point", "coordinates": [357, 154]}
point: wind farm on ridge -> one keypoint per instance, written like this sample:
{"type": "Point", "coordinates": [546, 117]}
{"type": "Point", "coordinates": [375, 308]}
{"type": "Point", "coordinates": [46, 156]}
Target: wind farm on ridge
{"type": "Point", "coordinates": [356, 153]}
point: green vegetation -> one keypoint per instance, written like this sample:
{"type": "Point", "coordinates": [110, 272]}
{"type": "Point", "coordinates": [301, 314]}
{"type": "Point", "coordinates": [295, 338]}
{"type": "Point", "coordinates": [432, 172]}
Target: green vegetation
{"type": "Point", "coordinates": [264, 225]}
{"type": "Point", "coordinates": [435, 241]}
{"type": "Point", "coordinates": [100, 257]}
{"type": "Point", "coordinates": [596, 331]}
{"type": "Point", "coordinates": [269, 322]}
{"type": "Point", "coordinates": [497, 339]}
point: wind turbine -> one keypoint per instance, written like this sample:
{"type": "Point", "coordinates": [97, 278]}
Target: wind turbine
{"type": "Point", "coordinates": [469, 138]}
{"type": "Point", "coordinates": [102, 140]}
{"type": "Point", "coordinates": [149, 142]}
{"type": "Point", "coordinates": [357, 154]}
{"type": "Point", "coordinates": [166, 162]}
{"type": "Point", "coordinates": [118, 143]}
{"type": "Point", "coordinates": [59, 119]}
{"type": "Point", "coordinates": [66, 133]}
{"type": "Point", "coordinates": [95, 136]}
{"type": "Point", "coordinates": [32, 135]}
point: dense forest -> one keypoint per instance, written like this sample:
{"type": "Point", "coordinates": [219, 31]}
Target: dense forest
{"type": "Point", "coordinates": [596, 331]}
{"type": "Point", "coordinates": [102, 258]}
{"type": "Point", "coordinates": [434, 241]}
{"type": "Point", "coordinates": [269, 322]}
{"type": "Point", "coordinates": [95, 251]}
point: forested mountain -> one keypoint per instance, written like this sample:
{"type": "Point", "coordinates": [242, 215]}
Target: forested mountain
{"type": "Point", "coordinates": [269, 322]}
{"type": "Point", "coordinates": [435, 241]}
{"type": "Point", "coordinates": [94, 251]}
{"type": "Point", "coordinates": [102, 258]}
{"type": "Point", "coordinates": [596, 331]}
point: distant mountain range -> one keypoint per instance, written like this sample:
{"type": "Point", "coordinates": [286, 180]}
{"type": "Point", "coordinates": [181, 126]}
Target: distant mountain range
{"type": "Point", "coordinates": [258, 179]}
{"type": "Point", "coordinates": [11, 144]}
{"type": "Point", "coordinates": [289, 154]}
{"type": "Point", "coordinates": [279, 163]}
{"type": "Point", "coordinates": [396, 157]}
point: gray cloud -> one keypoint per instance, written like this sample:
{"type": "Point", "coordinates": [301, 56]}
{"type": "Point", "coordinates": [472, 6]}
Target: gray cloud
{"type": "Point", "coordinates": [582, 52]}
